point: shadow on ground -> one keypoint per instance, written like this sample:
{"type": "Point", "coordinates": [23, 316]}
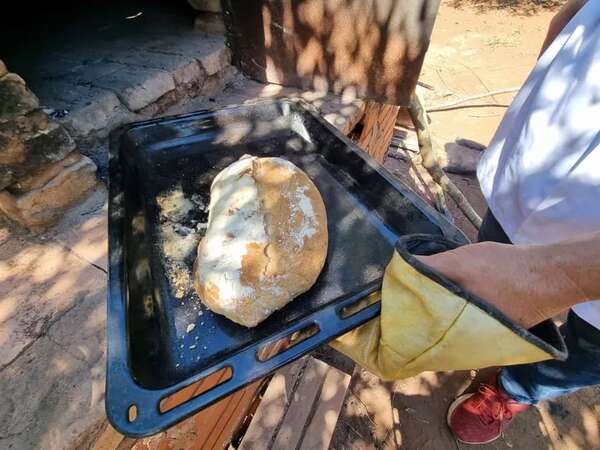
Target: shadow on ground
{"type": "Point", "coordinates": [411, 414]}
{"type": "Point", "coordinates": [519, 7]}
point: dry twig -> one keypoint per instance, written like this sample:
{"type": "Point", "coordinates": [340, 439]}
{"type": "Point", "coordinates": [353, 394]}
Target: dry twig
{"type": "Point", "coordinates": [455, 103]}
{"type": "Point", "coordinates": [430, 161]}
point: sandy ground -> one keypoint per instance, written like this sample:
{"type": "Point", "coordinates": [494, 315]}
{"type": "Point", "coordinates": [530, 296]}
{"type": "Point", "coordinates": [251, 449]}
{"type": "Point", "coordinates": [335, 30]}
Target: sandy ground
{"type": "Point", "coordinates": [477, 46]}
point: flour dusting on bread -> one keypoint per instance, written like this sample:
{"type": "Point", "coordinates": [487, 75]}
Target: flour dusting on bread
{"type": "Point", "coordinates": [234, 222]}
{"type": "Point", "coordinates": [266, 239]}
{"type": "Point", "coordinates": [304, 206]}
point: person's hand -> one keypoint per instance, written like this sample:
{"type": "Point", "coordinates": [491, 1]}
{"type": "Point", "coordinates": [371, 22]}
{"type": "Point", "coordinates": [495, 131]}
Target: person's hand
{"type": "Point", "coordinates": [512, 278]}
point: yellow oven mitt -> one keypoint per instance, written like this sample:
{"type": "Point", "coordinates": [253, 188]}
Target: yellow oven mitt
{"type": "Point", "coordinates": [429, 323]}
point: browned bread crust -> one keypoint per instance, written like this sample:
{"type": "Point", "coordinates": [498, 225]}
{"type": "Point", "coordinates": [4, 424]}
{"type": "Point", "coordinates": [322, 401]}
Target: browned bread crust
{"type": "Point", "coordinates": [266, 240]}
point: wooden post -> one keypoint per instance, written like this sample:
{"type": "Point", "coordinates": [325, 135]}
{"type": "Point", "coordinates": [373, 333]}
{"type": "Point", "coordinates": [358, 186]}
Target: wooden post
{"type": "Point", "coordinates": [378, 129]}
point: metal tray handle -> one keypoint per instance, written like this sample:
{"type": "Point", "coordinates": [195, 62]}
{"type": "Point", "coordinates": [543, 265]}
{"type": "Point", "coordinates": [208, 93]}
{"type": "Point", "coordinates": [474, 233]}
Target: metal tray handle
{"type": "Point", "coordinates": [245, 367]}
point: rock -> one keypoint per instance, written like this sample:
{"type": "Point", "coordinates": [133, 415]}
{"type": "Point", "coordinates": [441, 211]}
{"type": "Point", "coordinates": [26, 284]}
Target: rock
{"type": "Point", "coordinates": [188, 73]}
{"type": "Point", "coordinates": [88, 73]}
{"type": "Point", "coordinates": [24, 126]}
{"type": "Point", "coordinates": [44, 174]}
{"type": "Point", "coordinates": [459, 159]}
{"type": "Point", "coordinates": [53, 394]}
{"type": "Point", "coordinates": [7, 174]}
{"type": "Point", "coordinates": [216, 60]}
{"type": "Point", "coordinates": [50, 144]}
{"type": "Point", "coordinates": [215, 83]}
{"type": "Point", "coordinates": [212, 86]}
{"type": "Point", "coordinates": [91, 110]}
{"type": "Point", "coordinates": [186, 70]}
{"type": "Point", "coordinates": [470, 143]}
{"type": "Point", "coordinates": [160, 105]}
{"type": "Point", "coordinates": [24, 154]}
{"type": "Point", "coordinates": [41, 207]}
{"type": "Point", "coordinates": [40, 282]}
{"type": "Point", "coordinates": [99, 117]}
{"type": "Point", "coordinates": [189, 79]}
{"type": "Point", "coordinates": [213, 6]}
{"type": "Point", "coordinates": [2, 69]}
{"type": "Point", "coordinates": [137, 87]}
{"type": "Point", "coordinates": [12, 151]}
{"type": "Point", "coordinates": [13, 77]}
{"type": "Point", "coordinates": [15, 99]}
{"type": "Point", "coordinates": [183, 68]}
{"type": "Point", "coordinates": [211, 23]}
{"type": "Point", "coordinates": [83, 229]}
{"type": "Point", "coordinates": [14, 132]}
{"type": "Point", "coordinates": [81, 330]}
{"type": "Point", "coordinates": [210, 51]}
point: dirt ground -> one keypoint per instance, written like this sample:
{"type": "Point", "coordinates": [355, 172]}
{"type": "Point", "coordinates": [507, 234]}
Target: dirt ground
{"type": "Point", "coordinates": [477, 46]}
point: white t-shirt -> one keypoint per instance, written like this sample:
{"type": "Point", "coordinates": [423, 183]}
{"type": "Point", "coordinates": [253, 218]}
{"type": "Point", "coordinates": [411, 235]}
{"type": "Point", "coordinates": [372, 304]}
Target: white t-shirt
{"type": "Point", "coordinates": [541, 172]}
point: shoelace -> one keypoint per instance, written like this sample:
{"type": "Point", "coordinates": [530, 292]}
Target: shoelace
{"type": "Point", "coordinates": [499, 411]}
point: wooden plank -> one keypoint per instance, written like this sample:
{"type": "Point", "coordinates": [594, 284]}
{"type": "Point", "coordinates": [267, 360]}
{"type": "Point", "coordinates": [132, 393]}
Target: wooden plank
{"type": "Point", "coordinates": [378, 129]}
{"type": "Point", "coordinates": [238, 415]}
{"type": "Point", "coordinates": [280, 421]}
{"type": "Point", "coordinates": [212, 437]}
{"type": "Point", "coordinates": [329, 404]}
{"type": "Point", "coordinates": [373, 48]}
{"type": "Point", "coordinates": [109, 439]}
{"type": "Point", "coordinates": [210, 428]}
{"type": "Point", "coordinates": [269, 414]}
{"type": "Point", "coordinates": [195, 389]}
{"type": "Point", "coordinates": [299, 408]}
{"type": "Point", "coordinates": [298, 412]}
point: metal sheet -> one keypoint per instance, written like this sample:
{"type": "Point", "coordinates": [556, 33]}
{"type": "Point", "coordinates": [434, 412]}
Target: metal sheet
{"type": "Point", "coordinates": [160, 342]}
{"type": "Point", "coordinates": [369, 48]}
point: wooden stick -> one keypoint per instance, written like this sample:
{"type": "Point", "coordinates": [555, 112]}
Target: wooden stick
{"type": "Point", "coordinates": [460, 101]}
{"type": "Point", "coordinates": [431, 163]}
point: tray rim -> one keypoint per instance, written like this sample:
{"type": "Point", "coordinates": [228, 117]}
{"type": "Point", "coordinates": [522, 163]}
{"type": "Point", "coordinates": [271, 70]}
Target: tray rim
{"type": "Point", "coordinates": [122, 389]}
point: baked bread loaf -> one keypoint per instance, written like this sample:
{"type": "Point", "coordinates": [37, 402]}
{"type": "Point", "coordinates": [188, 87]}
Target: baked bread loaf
{"type": "Point", "coordinates": [266, 240]}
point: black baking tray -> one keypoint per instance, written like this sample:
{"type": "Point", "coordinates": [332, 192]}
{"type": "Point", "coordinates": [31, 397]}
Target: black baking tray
{"type": "Point", "coordinates": [160, 336]}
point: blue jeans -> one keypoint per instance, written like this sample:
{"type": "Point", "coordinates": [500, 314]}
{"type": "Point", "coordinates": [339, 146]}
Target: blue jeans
{"type": "Point", "coordinates": [530, 383]}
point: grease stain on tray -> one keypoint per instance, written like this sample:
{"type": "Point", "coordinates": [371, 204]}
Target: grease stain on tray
{"type": "Point", "coordinates": [182, 219]}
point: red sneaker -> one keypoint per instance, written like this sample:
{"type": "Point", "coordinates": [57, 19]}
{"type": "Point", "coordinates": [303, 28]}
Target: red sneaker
{"type": "Point", "coordinates": [481, 417]}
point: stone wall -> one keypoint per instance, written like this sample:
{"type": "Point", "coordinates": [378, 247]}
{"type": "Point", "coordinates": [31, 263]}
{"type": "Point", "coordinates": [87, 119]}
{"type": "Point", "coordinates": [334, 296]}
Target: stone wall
{"type": "Point", "coordinates": [43, 169]}
{"type": "Point", "coordinates": [41, 172]}
{"type": "Point", "coordinates": [133, 83]}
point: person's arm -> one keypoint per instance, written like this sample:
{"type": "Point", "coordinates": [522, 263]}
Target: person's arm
{"type": "Point", "coordinates": [529, 283]}
{"type": "Point", "coordinates": [562, 18]}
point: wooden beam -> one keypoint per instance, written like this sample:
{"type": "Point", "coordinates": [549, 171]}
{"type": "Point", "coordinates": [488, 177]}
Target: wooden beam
{"type": "Point", "coordinates": [299, 408]}
{"type": "Point", "coordinates": [328, 406]}
{"type": "Point", "coordinates": [378, 129]}
{"type": "Point", "coordinates": [110, 439]}
{"type": "Point", "coordinates": [211, 428]}
{"type": "Point", "coordinates": [268, 416]}
{"type": "Point", "coordinates": [291, 429]}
